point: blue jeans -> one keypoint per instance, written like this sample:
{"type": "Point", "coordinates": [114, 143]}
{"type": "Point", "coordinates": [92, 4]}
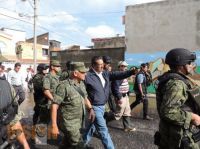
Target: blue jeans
{"type": "Point", "coordinates": [99, 125]}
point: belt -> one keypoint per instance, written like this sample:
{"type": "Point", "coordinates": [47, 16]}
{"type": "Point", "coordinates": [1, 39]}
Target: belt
{"type": "Point", "coordinates": [98, 104]}
{"type": "Point", "coordinates": [16, 85]}
{"type": "Point", "coordinates": [124, 94]}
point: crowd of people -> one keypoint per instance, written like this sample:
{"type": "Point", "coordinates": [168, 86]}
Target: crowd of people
{"type": "Point", "coordinates": [77, 102]}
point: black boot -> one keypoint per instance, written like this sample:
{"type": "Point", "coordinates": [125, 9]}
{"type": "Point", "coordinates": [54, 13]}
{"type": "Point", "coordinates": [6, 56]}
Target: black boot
{"type": "Point", "coordinates": [145, 110]}
{"type": "Point", "coordinates": [126, 123]}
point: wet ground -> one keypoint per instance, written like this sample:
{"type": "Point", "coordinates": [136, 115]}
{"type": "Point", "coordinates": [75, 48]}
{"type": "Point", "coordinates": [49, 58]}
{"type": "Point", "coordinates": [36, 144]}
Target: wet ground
{"type": "Point", "coordinates": [142, 138]}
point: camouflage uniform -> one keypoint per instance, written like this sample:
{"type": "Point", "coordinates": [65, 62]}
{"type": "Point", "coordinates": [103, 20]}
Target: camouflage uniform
{"type": "Point", "coordinates": [51, 82]}
{"type": "Point", "coordinates": [175, 121]}
{"type": "Point", "coordinates": [11, 117]}
{"type": "Point", "coordinates": [19, 114]}
{"type": "Point", "coordinates": [64, 75]}
{"type": "Point", "coordinates": [71, 111]}
{"type": "Point", "coordinates": [41, 110]}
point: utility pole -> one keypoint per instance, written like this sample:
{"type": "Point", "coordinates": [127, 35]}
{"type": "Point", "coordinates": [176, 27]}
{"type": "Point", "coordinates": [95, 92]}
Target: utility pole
{"type": "Point", "coordinates": [35, 36]}
{"type": "Point", "coordinates": [34, 32]}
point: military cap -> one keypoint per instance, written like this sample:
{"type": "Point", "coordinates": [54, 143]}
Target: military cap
{"type": "Point", "coordinates": [55, 63]}
{"type": "Point", "coordinates": [80, 66]}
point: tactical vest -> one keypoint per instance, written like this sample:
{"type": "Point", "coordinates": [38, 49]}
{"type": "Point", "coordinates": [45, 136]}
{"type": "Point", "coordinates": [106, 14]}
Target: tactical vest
{"type": "Point", "coordinates": [39, 96]}
{"type": "Point", "coordinates": [149, 79]}
{"type": "Point", "coordinates": [8, 108]}
{"type": "Point", "coordinates": [144, 85]}
{"type": "Point", "coordinates": [193, 102]}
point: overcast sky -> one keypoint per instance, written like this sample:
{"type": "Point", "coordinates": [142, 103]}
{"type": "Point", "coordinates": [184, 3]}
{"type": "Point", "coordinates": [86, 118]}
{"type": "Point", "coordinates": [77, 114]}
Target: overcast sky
{"type": "Point", "coordinates": [68, 21]}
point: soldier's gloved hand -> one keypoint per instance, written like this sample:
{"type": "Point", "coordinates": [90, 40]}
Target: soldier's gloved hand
{"type": "Point", "coordinates": [54, 132]}
{"type": "Point", "coordinates": [91, 115]}
{"type": "Point", "coordinates": [195, 119]}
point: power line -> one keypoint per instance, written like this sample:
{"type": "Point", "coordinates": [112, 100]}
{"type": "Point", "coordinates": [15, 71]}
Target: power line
{"type": "Point", "coordinates": [8, 9]}
{"type": "Point", "coordinates": [15, 18]}
{"type": "Point", "coordinates": [61, 35]}
{"type": "Point", "coordinates": [86, 14]}
{"type": "Point", "coordinates": [30, 4]}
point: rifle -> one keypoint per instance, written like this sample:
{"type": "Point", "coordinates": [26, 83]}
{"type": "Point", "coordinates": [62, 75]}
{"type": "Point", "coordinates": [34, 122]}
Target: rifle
{"type": "Point", "coordinates": [9, 143]}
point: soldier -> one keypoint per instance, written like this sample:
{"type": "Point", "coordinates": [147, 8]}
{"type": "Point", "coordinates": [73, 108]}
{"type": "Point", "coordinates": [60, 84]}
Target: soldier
{"type": "Point", "coordinates": [176, 103]}
{"type": "Point", "coordinates": [70, 100]}
{"type": "Point", "coordinates": [65, 73]}
{"type": "Point", "coordinates": [10, 114]}
{"type": "Point", "coordinates": [51, 80]}
{"type": "Point", "coordinates": [41, 110]}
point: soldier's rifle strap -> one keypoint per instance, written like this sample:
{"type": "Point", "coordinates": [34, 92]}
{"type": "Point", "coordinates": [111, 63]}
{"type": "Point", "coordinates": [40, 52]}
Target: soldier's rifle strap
{"type": "Point", "coordinates": [78, 89]}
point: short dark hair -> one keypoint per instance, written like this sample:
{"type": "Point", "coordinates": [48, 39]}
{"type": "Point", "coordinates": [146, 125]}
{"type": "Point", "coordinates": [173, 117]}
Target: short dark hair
{"type": "Point", "coordinates": [95, 58]}
{"type": "Point", "coordinates": [144, 65]}
{"type": "Point", "coordinates": [17, 64]}
{"type": "Point", "coordinates": [107, 59]}
{"type": "Point", "coordinates": [68, 65]}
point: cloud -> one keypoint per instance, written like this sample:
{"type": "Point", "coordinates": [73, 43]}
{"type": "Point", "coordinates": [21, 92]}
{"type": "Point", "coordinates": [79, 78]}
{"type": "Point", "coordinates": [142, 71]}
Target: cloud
{"type": "Point", "coordinates": [58, 17]}
{"type": "Point", "coordinates": [71, 21]}
{"type": "Point", "coordinates": [102, 3]}
{"type": "Point", "coordinates": [11, 18]}
{"type": "Point", "coordinates": [100, 31]}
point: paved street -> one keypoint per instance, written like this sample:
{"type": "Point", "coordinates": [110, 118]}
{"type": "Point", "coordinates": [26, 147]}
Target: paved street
{"type": "Point", "coordinates": [141, 139]}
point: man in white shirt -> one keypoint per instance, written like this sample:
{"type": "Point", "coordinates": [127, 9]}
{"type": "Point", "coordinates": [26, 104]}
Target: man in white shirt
{"type": "Point", "coordinates": [16, 79]}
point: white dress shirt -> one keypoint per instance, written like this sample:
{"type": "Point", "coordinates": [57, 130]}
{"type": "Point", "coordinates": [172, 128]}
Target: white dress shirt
{"type": "Point", "coordinates": [15, 78]}
{"type": "Point", "coordinates": [101, 78]}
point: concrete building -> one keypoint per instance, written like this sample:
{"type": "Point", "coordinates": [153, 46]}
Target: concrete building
{"type": "Point", "coordinates": [111, 42]}
{"type": "Point", "coordinates": [54, 45]}
{"type": "Point", "coordinates": [85, 55]}
{"type": "Point", "coordinates": [113, 47]}
{"type": "Point", "coordinates": [161, 26]}
{"type": "Point", "coordinates": [7, 47]}
{"type": "Point", "coordinates": [41, 39]}
{"type": "Point", "coordinates": [24, 52]}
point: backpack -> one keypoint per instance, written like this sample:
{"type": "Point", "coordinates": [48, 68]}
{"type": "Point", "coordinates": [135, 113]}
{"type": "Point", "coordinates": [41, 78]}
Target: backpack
{"type": "Point", "coordinates": [8, 108]}
{"type": "Point", "coordinates": [193, 91]}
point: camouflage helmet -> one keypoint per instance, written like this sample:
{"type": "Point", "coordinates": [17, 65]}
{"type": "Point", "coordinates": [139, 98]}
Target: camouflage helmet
{"type": "Point", "coordinates": [179, 57]}
{"type": "Point", "coordinates": [42, 67]}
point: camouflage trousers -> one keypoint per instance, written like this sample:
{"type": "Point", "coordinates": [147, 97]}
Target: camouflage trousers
{"type": "Point", "coordinates": [72, 136]}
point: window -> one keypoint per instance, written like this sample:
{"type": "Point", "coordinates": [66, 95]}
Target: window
{"type": "Point", "coordinates": [54, 54]}
{"type": "Point", "coordinates": [45, 52]}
